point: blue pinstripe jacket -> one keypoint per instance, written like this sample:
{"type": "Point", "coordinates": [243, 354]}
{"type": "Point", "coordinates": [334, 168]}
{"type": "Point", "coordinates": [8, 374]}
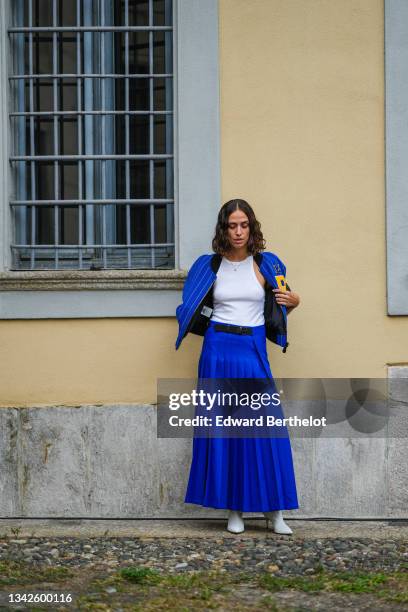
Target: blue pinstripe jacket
{"type": "Point", "coordinates": [193, 314]}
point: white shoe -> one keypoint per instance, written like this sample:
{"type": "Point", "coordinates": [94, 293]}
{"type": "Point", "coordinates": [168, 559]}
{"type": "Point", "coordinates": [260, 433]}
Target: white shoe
{"type": "Point", "coordinates": [278, 524]}
{"type": "Point", "coordinates": [235, 522]}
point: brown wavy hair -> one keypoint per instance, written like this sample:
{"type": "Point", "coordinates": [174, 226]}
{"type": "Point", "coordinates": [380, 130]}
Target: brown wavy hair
{"type": "Point", "coordinates": [221, 243]}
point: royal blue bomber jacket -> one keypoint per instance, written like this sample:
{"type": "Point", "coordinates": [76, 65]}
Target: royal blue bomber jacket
{"type": "Point", "coordinates": [194, 313]}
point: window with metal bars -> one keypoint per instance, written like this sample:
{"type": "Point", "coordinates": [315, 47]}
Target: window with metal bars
{"type": "Point", "coordinates": [92, 134]}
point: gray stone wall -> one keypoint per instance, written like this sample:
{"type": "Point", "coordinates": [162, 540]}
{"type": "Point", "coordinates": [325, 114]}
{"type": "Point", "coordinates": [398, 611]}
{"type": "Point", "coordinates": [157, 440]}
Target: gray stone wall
{"type": "Point", "coordinates": [107, 462]}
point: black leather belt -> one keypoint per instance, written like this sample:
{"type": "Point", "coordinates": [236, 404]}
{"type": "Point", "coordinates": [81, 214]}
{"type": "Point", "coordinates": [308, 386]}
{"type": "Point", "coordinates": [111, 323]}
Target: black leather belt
{"type": "Point", "coordinates": [233, 329]}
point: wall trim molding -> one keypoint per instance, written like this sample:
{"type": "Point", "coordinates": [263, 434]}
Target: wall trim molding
{"type": "Point", "coordinates": [88, 304]}
{"type": "Point", "coordinates": [76, 280]}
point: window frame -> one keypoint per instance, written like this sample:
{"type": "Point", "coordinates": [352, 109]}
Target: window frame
{"type": "Point", "coordinates": [111, 293]}
{"type": "Point", "coordinates": [97, 134]}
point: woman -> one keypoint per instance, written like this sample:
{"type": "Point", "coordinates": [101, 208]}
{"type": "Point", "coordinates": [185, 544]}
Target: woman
{"type": "Point", "coordinates": [228, 299]}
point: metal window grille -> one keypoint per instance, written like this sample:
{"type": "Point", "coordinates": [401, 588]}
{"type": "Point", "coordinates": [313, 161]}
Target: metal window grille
{"type": "Point", "coordinates": [92, 133]}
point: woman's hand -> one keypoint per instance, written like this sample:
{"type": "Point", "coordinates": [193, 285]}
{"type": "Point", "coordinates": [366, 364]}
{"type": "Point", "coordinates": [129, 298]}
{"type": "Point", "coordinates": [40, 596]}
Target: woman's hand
{"type": "Point", "coordinates": [290, 299]}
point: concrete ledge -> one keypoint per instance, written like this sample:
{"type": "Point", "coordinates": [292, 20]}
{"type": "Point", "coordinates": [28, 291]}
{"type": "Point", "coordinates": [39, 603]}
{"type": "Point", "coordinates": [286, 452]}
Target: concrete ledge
{"type": "Point", "coordinates": [68, 294]}
{"type": "Point", "coordinates": [203, 528]}
{"type": "Point", "coordinates": [74, 280]}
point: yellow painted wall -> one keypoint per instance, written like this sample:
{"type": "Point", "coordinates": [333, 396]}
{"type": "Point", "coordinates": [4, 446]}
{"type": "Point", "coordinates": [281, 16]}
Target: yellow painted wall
{"type": "Point", "coordinates": [302, 139]}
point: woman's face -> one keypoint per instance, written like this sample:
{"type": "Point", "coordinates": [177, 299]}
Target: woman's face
{"type": "Point", "coordinates": [238, 229]}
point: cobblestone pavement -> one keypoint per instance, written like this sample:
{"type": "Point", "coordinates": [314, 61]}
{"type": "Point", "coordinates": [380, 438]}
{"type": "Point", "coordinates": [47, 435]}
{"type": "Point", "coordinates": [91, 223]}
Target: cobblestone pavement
{"type": "Point", "coordinates": [280, 573]}
{"type": "Point", "coordinates": [283, 555]}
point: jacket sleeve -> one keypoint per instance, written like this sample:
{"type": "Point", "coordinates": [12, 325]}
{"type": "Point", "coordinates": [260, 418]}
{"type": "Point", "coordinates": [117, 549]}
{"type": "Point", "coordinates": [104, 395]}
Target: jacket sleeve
{"type": "Point", "coordinates": [189, 286]}
{"type": "Point", "coordinates": [282, 265]}
{"type": "Point", "coordinates": [190, 281]}
{"type": "Point", "coordinates": [276, 268]}
{"type": "Point", "coordinates": [283, 268]}
{"type": "Point", "coordinates": [272, 259]}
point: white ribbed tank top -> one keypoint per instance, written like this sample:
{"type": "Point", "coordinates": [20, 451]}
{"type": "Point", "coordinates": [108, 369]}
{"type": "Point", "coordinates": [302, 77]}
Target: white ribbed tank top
{"type": "Point", "coordinates": [238, 295]}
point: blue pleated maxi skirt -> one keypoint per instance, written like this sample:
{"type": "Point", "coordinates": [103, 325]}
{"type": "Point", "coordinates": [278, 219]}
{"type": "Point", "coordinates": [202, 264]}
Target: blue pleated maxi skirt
{"type": "Point", "coordinates": [246, 474]}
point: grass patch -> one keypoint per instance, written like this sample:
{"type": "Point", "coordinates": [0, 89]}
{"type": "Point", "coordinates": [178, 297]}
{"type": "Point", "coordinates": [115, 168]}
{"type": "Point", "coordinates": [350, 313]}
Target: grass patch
{"type": "Point", "coordinates": [397, 588]}
{"type": "Point", "coordinates": [153, 591]}
{"type": "Point", "coordinates": [144, 589]}
{"type": "Point", "coordinates": [209, 581]}
{"type": "Point", "coordinates": [298, 583]}
{"type": "Point", "coordinates": [21, 573]}
{"type": "Point", "coordinates": [346, 582]}
{"type": "Point", "coordinates": [140, 575]}
{"type": "Point", "coordinates": [392, 587]}
{"type": "Point", "coordinates": [269, 603]}
{"type": "Point", "coordinates": [86, 603]}
{"type": "Point", "coordinates": [357, 582]}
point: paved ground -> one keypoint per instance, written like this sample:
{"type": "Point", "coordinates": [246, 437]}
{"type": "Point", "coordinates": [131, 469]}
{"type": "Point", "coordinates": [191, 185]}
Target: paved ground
{"type": "Point", "coordinates": [170, 528]}
{"type": "Point", "coordinates": [174, 565]}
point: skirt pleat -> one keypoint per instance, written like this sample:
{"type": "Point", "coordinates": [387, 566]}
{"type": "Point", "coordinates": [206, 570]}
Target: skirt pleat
{"type": "Point", "coordinates": [246, 474]}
